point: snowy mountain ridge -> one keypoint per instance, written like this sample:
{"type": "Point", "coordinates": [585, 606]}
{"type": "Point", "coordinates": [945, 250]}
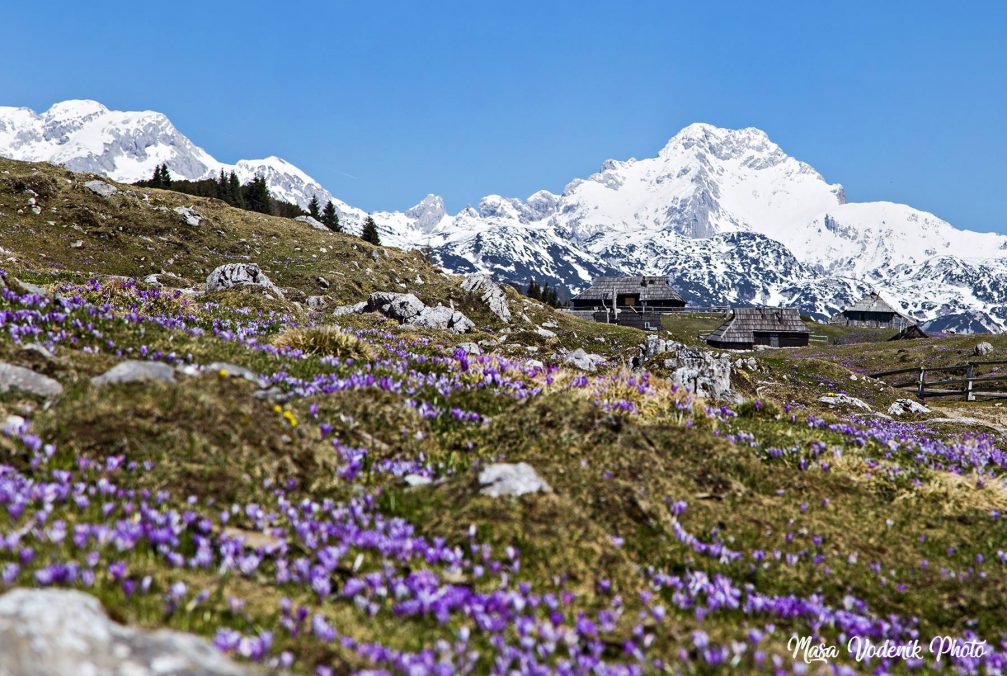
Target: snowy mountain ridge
{"type": "Point", "coordinates": [729, 214]}
{"type": "Point", "coordinates": [84, 135]}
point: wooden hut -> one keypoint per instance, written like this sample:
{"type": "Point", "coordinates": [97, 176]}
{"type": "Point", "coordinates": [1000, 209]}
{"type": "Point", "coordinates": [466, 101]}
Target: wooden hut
{"type": "Point", "coordinates": [632, 293]}
{"type": "Point", "coordinates": [770, 326]}
{"type": "Point", "coordinates": [872, 311]}
{"type": "Point", "coordinates": [628, 301]}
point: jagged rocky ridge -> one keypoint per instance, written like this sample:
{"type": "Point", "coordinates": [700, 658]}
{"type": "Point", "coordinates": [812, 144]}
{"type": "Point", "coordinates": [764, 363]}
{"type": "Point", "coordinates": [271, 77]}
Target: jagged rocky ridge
{"type": "Point", "coordinates": [727, 213]}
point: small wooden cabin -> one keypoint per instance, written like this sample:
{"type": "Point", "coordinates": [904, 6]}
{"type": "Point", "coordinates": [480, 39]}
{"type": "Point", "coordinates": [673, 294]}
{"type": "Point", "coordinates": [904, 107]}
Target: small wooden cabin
{"type": "Point", "coordinates": [770, 326]}
{"type": "Point", "coordinates": [640, 294]}
{"type": "Point", "coordinates": [872, 311]}
{"type": "Point", "coordinates": [628, 301]}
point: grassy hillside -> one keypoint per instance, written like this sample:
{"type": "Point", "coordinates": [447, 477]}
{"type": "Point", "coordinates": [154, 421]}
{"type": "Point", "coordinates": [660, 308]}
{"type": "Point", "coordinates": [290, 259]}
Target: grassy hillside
{"type": "Point", "coordinates": [331, 516]}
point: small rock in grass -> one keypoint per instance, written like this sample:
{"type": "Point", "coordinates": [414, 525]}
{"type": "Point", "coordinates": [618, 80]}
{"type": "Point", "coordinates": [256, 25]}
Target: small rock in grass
{"type": "Point", "coordinates": [510, 479]}
{"type": "Point", "coordinates": [469, 348]}
{"type": "Point", "coordinates": [62, 631]}
{"type": "Point", "coordinates": [414, 480]}
{"type": "Point", "coordinates": [189, 215]}
{"type": "Point", "coordinates": [982, 349]}
{"type": "Point", "coordinates": [101, 188]}
{"type": "Point", "coordinates": [845, 400]}
{"type": "Point", "coordinates": [20, 379]}
{"type": "Point", "coordinates": [133, 371]}
{"type": "Point", "coordinates": [583, 360]}
{"type": "Point", "coordinates": [904, 406]}
{"type": "Point", "coordinates": [349, 309]}
{"type": "Point", "coordinates": [238, 274]}
{"type": "Point", "coordinates": [226, 369]}
{"type": "Point", "coordinates": [12, 424]}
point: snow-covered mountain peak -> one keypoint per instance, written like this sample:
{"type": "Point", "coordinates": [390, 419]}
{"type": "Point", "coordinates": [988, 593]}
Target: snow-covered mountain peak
{"type": "Point", "coordinates": [84, 135]}
{"type": "Point", "coordinates": [73, 109]}
{"type": "Point", "coordinates": [428, 212]}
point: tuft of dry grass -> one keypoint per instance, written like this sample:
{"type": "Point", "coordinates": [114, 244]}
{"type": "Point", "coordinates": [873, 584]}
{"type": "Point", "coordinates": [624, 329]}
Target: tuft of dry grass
{"type": "Point", "coordinates": [324, 341]}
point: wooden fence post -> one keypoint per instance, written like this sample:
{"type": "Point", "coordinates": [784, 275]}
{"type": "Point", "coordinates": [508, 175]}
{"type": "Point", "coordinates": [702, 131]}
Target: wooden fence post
{"type": "Point", "coordinates": [969, 375]}
{"type": "Point", "coordinates": [921, 393]}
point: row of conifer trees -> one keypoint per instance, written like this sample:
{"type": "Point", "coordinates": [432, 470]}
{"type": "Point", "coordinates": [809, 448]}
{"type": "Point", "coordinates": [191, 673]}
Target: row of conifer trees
{"type": "Point", "coordinates": [254, 196]}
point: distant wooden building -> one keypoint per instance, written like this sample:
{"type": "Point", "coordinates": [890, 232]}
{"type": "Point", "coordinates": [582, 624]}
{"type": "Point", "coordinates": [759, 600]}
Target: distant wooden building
{"type": "Point", "coordinates": [770, 326]}
{"type": "Point", "coordinates": [628, 301]}
{"type": "Point", "coordinates": [873, 312]}
{"type": "Point", "coordinates": [911, 332]}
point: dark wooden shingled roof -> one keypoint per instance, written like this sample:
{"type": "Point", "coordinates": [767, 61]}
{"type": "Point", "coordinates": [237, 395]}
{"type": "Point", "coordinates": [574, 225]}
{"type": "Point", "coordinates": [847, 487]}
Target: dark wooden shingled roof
{"type": "Point", "coordinates": [649, 288]}
{"type": "Point", "coordinates": [872, 302]}
{"type": "Point", "coordinates": [747, 320]}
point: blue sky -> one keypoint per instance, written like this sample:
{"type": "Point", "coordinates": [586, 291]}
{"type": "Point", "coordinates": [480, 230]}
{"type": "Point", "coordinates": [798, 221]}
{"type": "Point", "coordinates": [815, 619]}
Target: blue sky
{"type": "Point", "coordinates": [384, 102]}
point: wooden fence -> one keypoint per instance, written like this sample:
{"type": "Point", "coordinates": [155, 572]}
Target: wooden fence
{"type": "Point", "coordinates": [948, 384]}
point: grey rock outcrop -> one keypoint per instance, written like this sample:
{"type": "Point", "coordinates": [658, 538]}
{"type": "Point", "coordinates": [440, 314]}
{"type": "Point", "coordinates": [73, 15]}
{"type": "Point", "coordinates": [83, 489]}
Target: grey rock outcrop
{"type": "Point", "coordinates": [490, 292]}
{"type": "Point", "coordinates": [54, 632]}
{"type": "Point", "coordinates": [444, 319]}
{"type": "Point", "coordinates": [585, 361]}
{"type": "Point", "coordinates": [404, 307]}
{"type": "Point", "coordinates": [702, 373]}
{"type": "Point", "coordinates": [316, 301]}
{"type": "Point", "coordinates": [845, 400]}
{"type": "Point", "coordinates": [350, 309]}
{"type": "Point", "coordinates": [905, 406]}
{"type": "Point", "coordinates": [135, 372]}
{"type": "Point", "coordinates": [408, 309]}
{"type": "Point", "coordinates": [101, 188]}
{"type": "Point", "coordinates": [982, 349]}
{"type": "Point", "coordinates": [21, 379]}
{"type": "Point", "coordinates": [655, 345]}
{"type": "Point", "coordinates": [189, 215]}
{"type": "Point", "coordinates": [510, 479]}
{"type": "Point", "coordinates": [238, 274]}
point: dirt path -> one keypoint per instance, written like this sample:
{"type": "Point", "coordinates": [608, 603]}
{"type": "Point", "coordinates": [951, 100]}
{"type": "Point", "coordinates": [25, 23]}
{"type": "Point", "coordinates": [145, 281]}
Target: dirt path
{"type": "Point", "coordinates": [984, 416]}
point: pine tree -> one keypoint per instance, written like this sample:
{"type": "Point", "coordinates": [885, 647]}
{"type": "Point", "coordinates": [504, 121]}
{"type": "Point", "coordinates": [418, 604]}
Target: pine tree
{"type": "Point", "coordinates": [234, 195]}
{"type": "Point", "coordinates": [256, 195]}
{"type": "Point", "coordinates": [165, 176]}
{"type": "Point", "coordinates": [155, 181]}
{"type": "Point", "coordinates": [550, 296]}
{"type": "Point", "coordinates": [330, 219]}
{"type": "Point", "coordinates": [369, 233]}
{"type": "Point", "coordinates": [313, 208]}
{"type": "Point", "coordinates": [534, 291]}
{"type": "Point", "coordinates": [223, 189]}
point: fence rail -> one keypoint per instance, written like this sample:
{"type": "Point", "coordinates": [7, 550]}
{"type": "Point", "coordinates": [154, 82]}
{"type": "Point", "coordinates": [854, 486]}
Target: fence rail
{"type": "Point", "coordinates": [943, 387]}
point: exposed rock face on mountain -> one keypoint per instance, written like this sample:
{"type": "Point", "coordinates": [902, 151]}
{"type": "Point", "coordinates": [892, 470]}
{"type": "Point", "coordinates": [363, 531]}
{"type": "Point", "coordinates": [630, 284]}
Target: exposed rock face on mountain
{"type": "Point", "coordinates": [727, 213]}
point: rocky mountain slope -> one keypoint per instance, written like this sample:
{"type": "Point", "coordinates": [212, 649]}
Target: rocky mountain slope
{"type": "Point", "coordinates": [727, 213]}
